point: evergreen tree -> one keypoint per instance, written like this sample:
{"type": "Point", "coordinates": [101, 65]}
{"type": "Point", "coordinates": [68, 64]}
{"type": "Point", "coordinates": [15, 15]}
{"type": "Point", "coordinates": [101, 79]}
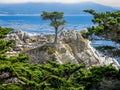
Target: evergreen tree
{"type": "Point", "coordinates": [57, 22]}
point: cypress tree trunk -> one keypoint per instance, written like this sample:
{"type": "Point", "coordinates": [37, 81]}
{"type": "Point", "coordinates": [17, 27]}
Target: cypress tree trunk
{"type": "Point", "coordinates": [56, 36]}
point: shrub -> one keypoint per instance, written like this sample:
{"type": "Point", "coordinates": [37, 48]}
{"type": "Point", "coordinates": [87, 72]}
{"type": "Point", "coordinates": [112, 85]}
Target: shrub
{"type": "Point", "coordinates": [51, 50]}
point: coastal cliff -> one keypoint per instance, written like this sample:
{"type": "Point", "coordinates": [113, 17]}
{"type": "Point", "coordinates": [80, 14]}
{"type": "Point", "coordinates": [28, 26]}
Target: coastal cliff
{"type": "Point", "coordinates": [72, 47]}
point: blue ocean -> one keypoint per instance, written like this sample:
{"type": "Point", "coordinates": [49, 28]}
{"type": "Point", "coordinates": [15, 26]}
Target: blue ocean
{"type": "Point", "coordinates": [34, 24]}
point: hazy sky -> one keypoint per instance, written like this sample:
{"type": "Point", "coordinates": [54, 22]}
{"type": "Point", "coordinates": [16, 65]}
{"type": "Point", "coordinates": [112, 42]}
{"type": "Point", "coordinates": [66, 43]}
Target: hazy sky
{"type": "Point", "coordinates": [115, 3]}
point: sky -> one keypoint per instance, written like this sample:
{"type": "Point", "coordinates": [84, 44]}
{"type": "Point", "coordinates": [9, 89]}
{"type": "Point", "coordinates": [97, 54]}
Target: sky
{"type": "Point", "coordinates": [113, 3]}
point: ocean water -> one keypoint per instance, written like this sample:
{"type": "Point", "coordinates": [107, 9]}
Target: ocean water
{"type": "Point", "coordinates": [107, 43]}
{"type": "Point", "coordinates": [34, 24]}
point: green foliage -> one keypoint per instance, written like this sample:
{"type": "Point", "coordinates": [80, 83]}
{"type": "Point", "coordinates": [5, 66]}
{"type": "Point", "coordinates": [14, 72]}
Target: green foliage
{"type": "Point", "coordinates": [93, 30]}
{"type": "Point", "coordinates": [13, 59]}
{"type": "Point", "coordinates": [52, 15]}
{"type": "Point", "coordinates": [4, 31]}
{"type": "Point", "coordinates": [44, 48]}
{"type": "Point", "coordinates": [55, 17]}
{"type": "Point", "coordinates": [10, 43]}
{"type": "Point", "coordinates": [10, 87]}
{"type": "Point", "coordinates": [85, 34]}
{"type": "Point", "coordinates": [51, 50]}
{"type": "Point", "coordinates": [4, 45]}
{"type": "Point", "coordinates": [107, 25]}
{"type": "Point", "coordinates": [56, 24]}
{"type": "Point", "coordinates": [90, 11]}
{"type": "Point", "coordinates": [22, 57]}
{"type": "Point", "coordinates": [109, 71]}
{"type": "Point", "coordinates": [53, 76]}
{"type": "Point", "coordinates": [104, 47]}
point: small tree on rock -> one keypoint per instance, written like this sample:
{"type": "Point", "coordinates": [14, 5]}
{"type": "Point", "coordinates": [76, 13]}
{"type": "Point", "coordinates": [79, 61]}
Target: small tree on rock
{"type": "Point", "coordinates": [57, 22]}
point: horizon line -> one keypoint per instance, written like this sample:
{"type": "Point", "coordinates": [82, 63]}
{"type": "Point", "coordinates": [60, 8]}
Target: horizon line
{"type": "Point", "coordinates": [8, 3]}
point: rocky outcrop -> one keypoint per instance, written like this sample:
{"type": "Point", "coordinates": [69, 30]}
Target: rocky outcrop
{"type": "Point", "coordinates": [106, 84]}
{"type": "Point", "coordinates": [24, 41]}
{"type": "Point", "coordinates": [9, 78]}
{"type": "Point", "coordinates": [13, 80]}
{"type": "Point", "coordinates": [18, 36]}
{"type": "Point", "coordinates": [72, 48]}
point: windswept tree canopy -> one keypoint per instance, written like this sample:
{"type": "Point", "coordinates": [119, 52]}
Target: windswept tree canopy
{"type": "Point", "coordinates": [107, 25]}
{"type": "Point", "coordinates": [57, 21]}
{"type": "Point", "coordinates": [54, 17]}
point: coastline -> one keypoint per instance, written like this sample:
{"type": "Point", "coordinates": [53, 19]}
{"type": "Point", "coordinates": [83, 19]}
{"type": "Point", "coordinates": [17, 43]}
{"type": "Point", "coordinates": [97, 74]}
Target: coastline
{"type": "Point", "coordinates": [102, 59]}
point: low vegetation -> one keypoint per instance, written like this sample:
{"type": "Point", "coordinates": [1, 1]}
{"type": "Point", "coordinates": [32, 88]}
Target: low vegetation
{"type": "Point", "coordinates": [4, 32]}
{"type": "Point", "coordinates": [51, 76]}
{"type": "Point", "coordinates": [5, 45]}
{"type": "Point", "coordinates": [104, 48]}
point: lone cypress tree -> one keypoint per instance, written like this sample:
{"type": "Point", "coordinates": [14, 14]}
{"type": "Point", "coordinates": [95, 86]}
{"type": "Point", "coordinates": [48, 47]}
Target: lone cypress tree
{"type": "Point", "coordinates": [57, 22]}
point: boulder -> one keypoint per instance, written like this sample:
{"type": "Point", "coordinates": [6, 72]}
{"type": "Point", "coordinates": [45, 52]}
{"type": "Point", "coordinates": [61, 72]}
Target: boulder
{"type": "Point", "coordinates": [106, 84]}
{"type": "Point", "coordinates": [13, 80]}
{"type": "Point", "coordinates": [5, 75]}
{"type": "Point", "coordinates": [18, 36]}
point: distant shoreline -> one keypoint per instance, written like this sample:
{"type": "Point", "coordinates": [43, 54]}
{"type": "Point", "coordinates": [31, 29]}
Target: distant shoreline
{"type": "Point", "coordinates": [39, 15]}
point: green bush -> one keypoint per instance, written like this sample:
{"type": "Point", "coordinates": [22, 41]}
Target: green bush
{"type": "Point", "coordinates": [10, 87]}
{"type": "Point", "coordinates": [23, 58]}
{"type": "Point", "coordinates": [85, 35]}
{"type": "Point", "coordinates": [4, 31]}
{"type": "Point", "coordinates": [5, 45]}
{"type": "Point", "coordinates": [104, 47]}
{"type": "Point", "coordinates": [52, 50]}
{"type": "Point", "coordinates": [44, 48]}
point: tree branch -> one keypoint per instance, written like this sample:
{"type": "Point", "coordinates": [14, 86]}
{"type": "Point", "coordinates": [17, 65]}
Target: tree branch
{"type": "Point", "coordinates": [60, 30]}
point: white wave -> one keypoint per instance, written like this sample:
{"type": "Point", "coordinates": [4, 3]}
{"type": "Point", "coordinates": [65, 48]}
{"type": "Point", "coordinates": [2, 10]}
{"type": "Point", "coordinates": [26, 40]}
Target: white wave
{"type": "Point", "coordinates": [39, 28]}
{"type": "Point", "coordinates": [19, 14]}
